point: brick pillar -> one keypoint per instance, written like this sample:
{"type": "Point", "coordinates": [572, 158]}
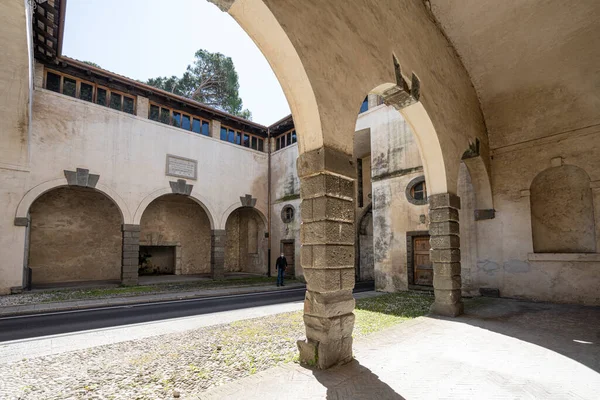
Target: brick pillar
{"type": "Point", "coordinates": [217, 254]}
{"type": "Point", "coordinates": [327, 256]}
{"type": "Point", "coordinates": [131, 253]}
{"type": "Point", "coordinates": [445, 254]}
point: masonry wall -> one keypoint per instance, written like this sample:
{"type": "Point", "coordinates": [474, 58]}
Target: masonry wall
{"type": "Point", "coordinates": [129, 155]}
{"type": "Point", "coordinates": [285, 190]}
{"type": "Point", "coordinates": [75, 236]}
{"type": "Point", "coordinates": [175, 220]}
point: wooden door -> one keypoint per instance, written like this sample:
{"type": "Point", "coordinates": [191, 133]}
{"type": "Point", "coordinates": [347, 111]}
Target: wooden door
{"type": "Point", "coordinates": [423, 269]}
{"type": "Point", "coordinates": [289, 250]}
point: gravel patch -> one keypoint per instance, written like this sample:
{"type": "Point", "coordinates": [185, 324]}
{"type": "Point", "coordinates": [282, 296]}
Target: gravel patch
{"type": "Point", "coordinates": [185, 364]}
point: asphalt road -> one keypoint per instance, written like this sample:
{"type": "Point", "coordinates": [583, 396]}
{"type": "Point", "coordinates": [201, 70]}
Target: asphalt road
{"type": "Point", "coordinates": [29, 326]}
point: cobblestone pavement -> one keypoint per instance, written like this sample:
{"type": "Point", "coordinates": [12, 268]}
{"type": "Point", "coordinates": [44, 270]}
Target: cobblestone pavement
{"type": "Point", "coordinates": [501, 349]}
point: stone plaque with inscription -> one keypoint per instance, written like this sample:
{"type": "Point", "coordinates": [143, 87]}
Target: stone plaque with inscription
{"type": "Point", "coordinates": [182, 167]}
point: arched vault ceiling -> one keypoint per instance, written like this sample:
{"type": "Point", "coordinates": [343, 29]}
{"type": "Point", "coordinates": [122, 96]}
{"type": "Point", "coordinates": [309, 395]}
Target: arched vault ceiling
{"type": "Point", "coordinates": [535, 64]}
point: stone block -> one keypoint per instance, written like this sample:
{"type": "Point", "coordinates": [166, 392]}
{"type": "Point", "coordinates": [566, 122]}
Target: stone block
{"type": "Point", "coordinates": [447, 296]}
{"type": "Point", "coordinates": [130, 228]}
{"type": "Point", "coordinates": [347, 278]}
{"type": "Point", "coordinates": [131, 241]}
{"type": "Point", "coordinates": [21, 221]}
{"type": "Point", "coordinates": [334, 353]}
{"type": "Point", "coordinates": [447, 310]}
{"type": "Point", "coordinates": [325, 159]}
{"type": "Point", "coordinates": [446, 282]}
{"type": "Point", "coordinates": [332, 256]}
{"type": "Point", "coordinates": [308, 351]}
{"type": "Point", "coordinates": [131, 254]}
{"type": "Point", "coordinates": [444, 228]}
{"type": "Point", "coordinates": [443, 215]}
{"type": "Point", "coordinates": [131, 247]}
{"type": "Point", "coordinates": [325, 184]}
{"type": "Point", "coordinates": [445, 255]}
{"type": "Point", "coordinates": [322, 280]}
{"type": "Point", "coordinates": [444, 242]}
{"type": "Point", "coordinates": [130, 261]}
{"type": "Point", "coordinates": [135, 234]}
{"type": "Point", "coordinates": [444, 200]}
{"type": "Point", "coordinates": [306, 256]}
{"type": "Point", "coordinates": [446, 269]}
{"type": "Point", "coordinates": [328, 305]}
{"type": "Point", "coordinates": [306, 210]}
{"type": "Point", "coordinates": [327, 232]}
{"type": "Point", "coordinates": [331, 208]}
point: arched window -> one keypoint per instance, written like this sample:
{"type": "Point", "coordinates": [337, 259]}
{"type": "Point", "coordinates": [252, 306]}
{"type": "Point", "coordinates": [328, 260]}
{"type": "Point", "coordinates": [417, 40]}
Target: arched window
{"type": "Point", "coordinates": [287, 214]}
{"type": "Point", "coordinates": [562, 214]}
{"type": "Point", "coordinates": [416, 191]}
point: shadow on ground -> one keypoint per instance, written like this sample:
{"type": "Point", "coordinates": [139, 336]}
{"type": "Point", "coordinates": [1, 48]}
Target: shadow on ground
{"type": "Point", "coordinates": [570, 330]}
{"type": "Point", "coordinates": [354, 381]}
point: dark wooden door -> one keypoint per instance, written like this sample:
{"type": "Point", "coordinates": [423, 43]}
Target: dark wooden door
{"type": "Point", "coordinates": [289, 252]}
{"type": "Point", "coordinates": [423, 269]}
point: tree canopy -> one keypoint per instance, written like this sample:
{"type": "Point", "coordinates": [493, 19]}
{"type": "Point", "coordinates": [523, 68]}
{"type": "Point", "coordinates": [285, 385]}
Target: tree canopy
{"type": "Point", "coordinates": [211, 80]}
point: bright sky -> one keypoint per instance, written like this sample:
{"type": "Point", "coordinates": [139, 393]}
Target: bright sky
{"type": "Point", "coordinates": [144, 39]}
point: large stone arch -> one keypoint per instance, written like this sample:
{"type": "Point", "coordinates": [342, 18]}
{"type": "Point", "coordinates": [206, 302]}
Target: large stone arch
{"type": "Point", "coordinates": [233, 207]}
{"type": "Point", "coordinates": [74, 235]}
{"type": "Point", "coordinates": [202, 202]}
{"type": "Point", "coordinates": [325, 71]}
{"type": "Point", "coordinates": [39, 190]}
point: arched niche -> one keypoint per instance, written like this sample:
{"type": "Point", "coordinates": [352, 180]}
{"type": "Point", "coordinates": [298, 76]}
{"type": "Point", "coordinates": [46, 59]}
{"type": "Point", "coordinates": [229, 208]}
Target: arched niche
{"type": "Point", "coordinates": [245, 244]}
{"type": "Point", "coordinates": [562, 212]}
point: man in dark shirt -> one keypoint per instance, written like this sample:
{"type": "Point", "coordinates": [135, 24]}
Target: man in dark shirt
{"type": "Point", "coordinates": [280, 265]}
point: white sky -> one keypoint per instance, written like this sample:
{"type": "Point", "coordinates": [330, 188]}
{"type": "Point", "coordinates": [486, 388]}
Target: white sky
{"type": "Point", "coordinates": [144, 39]}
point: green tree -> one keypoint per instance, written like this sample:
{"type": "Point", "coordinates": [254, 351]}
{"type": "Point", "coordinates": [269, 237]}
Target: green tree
{"type": "Point", "coordinates": [211, 80]}
{"type": "Point", "coordinates": [93, 64]}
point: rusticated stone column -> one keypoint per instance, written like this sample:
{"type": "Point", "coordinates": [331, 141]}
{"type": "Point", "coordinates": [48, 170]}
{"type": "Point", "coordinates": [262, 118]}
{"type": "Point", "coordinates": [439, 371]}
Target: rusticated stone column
{"type": "Point", "coordinates": [327, 257]}
{"type": "Point", "coordinates": [131, 254]}
{"type": "Point", "coordinates": [445, 254]}
{"type": "Point", "coordinates": [217, 254]}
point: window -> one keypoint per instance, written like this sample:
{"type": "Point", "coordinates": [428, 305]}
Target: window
{"type": "Point", "coordinates": [165, 116]}
{"type": "Point", "coordinates": [53, 82]}
{"type": "Point", "coordinates": [70, 87]}
{"type": "Point", "coordinates": [205, 128]}
{"type": "Point", "coordinates": [287, 213]}
{"type": "Point", "coordinates": [185, 122]}
{"type": "Point", "coordinates": [277, 144]}
{"type": "Point", "coordinates": [128, 105]}
{"type": "Point", "coordinates": [364, 106]}
{"type": "Point", "coordinates": [231, 136]}
{"type": "Point", "coordinates": [177, 119]}
{"type": "Point", "coordinates": [286, 139]}
{"type": "Point", "coordinates": [254, 142]}
{"type": "Point", "coordinates": [223, 133]}
{"type": "Point", "coordinates": [416, 191]}
{"type": "Point", "coordinates": [246, 140]}
{"type": "Point", "coordinates": [154, 112]}
{"type": "Point", "coordinates": [238, 137]}
{"type": "Point", "coordinates": [261, 145]}
{"type": "Point", "coordinates": [101, 97]}
{"type": "Point", "coordinates": [196, 125]}
{"type": "Point", "coordinates": [294, 139]}
{"type": "Point", "coordinates": [88, 91]}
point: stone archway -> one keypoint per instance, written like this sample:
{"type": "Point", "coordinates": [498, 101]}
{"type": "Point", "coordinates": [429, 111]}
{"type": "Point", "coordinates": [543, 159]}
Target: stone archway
{"type": "Point", "coordinates": [325, 90]}
{"type": "Point", "coordinates": [75, 235]}
{"type": "Point", "coordinates": [245, 244]}
{"type": "Point", "coordinates": [175, 231]}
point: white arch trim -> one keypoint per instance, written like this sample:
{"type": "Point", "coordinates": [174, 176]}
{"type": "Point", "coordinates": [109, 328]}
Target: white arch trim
{"type": "Point", "coordinates": [201, 200]}
{"type": "Point", "coordinates": [33, 194]}
{"type": "Point", "coordinates": [235, 206]}
{"type": "Point", "coordinates": [260, 24]}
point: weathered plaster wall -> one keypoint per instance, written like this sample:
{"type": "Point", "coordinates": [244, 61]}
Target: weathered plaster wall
{"type": "Point", "coordinates": [129, 153]}
{"type": "Point", "coordinates": [177, 220]}
{"type": "Point", "coordinates": [285, 190]}
{"type": "Point", "coordinates": [245, 242]}
{"type": "Point", "coordinates": [505, 244]}
{"type": "Point", "coordinates": [365, 243]}
{"type": "Point", "coordinates": [14, 136]}
{"type": "Point", "coordinates": [75, 236]}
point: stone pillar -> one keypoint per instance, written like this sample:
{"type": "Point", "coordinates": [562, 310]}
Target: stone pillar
{"type": "Point", "coordinates": [131, 253]}
{"type": "Point", "coordinates": [445, 254]}
{"type": "Point", "coordinates": [142, 108]}
{"type": "Point", "coordinates": [217, 253]}
{"type": "Point", "coordinates": [327, 255]}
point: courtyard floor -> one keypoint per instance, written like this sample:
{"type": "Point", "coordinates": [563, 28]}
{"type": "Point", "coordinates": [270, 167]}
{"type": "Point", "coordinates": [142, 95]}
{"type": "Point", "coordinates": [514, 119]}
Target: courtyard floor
{"type": "Point", "coordinates": [500, 349]}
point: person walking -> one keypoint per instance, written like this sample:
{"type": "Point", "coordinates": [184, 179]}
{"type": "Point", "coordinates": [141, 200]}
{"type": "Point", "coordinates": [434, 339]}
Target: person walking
{"type": "Point", "coordinates": [280, 265]}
